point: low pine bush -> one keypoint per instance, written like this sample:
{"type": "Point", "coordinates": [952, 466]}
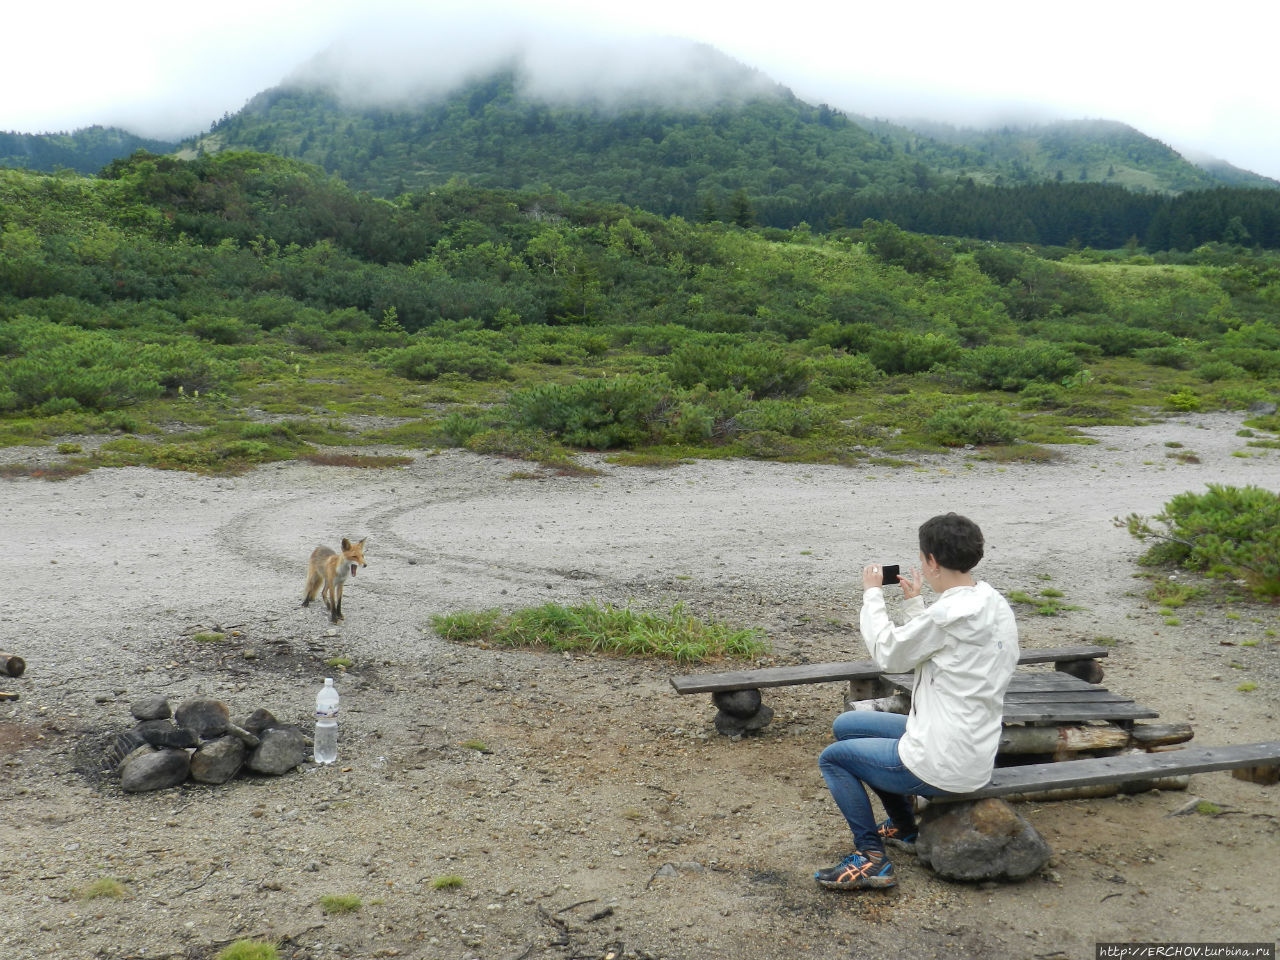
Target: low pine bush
{"type": "Point", "coordinates": [1012, 368]}
{"type": "Point", "coordinates": [431, 359]}
{"type": "Point", "coordinates": [761, 369]}
{"type": "Point", "coordinates": [975, 423]}
{"type": "Point", "coordinates": [1225, 531]}
{"type": "Point", "coordinates": [599, 414]}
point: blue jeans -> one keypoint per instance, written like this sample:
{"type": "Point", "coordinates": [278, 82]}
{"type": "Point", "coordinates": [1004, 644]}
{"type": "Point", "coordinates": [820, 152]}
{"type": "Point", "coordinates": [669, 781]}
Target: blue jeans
{"type": "Point", "coordinates": [865, 754]}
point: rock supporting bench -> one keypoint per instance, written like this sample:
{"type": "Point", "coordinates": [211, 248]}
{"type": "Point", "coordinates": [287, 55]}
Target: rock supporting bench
{"type": "Point", "coordinates": [741, 709]}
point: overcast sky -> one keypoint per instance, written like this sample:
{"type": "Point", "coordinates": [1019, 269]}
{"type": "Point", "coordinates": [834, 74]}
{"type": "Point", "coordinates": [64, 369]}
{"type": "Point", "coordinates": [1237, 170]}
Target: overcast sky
{"type": "Point", "coordinates": [1197, 78]}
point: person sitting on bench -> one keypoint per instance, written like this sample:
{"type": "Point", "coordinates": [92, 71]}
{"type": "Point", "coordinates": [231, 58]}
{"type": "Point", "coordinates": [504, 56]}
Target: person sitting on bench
{"type": "Point", "coordinates": [963, 650]}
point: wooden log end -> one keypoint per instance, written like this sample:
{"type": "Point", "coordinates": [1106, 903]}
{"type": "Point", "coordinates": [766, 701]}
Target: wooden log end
{"type": "Point", "coordinates": [12, 664]}
{"type": "Point", "coordinates": [1090, 671]}
{"type": "Point", "coordinates": [1266, 775]}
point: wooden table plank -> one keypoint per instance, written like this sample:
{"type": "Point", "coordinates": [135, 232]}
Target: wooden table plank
{"type": "Point", "coordinates": [1062, 696]}
{"type": "Point", "coordinates": [1076, 712]}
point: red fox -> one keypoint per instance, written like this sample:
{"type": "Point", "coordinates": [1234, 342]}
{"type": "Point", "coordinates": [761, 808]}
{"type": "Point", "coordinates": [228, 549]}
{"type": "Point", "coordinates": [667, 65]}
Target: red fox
{"type": "Point", "coordinates": [332, 569]}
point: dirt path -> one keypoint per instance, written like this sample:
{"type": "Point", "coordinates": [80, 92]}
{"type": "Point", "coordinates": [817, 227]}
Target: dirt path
{"type": "Point", "coordinates": [594, 774]}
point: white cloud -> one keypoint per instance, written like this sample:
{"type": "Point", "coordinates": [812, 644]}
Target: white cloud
{"type": "Point", "coordinates": [1199, 82]}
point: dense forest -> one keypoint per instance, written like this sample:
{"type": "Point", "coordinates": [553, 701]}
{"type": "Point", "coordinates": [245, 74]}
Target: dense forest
{"type": "Point", "coordinates": [194, 292]}
{"type": "Point", "coordinates": [86, 150]}
{"type": "Point", "coordinates": [769, 160]}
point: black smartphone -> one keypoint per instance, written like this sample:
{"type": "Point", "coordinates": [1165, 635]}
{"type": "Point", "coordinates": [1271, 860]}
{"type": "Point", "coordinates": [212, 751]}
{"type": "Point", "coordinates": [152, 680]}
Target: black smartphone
{"type": "Point", "coordinates": [890, 571]}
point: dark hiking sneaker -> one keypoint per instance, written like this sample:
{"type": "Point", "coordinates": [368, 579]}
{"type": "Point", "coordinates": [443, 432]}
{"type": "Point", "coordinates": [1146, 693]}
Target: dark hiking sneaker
{"type": "Point", "coordinates": [893, 836]}
{"type": "Point", "coordinates": [858, 872]}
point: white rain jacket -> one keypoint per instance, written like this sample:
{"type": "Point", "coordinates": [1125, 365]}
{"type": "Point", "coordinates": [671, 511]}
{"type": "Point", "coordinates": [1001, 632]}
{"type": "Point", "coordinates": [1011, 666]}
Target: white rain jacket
{"type": "Point", "coordinates": [963, 649]}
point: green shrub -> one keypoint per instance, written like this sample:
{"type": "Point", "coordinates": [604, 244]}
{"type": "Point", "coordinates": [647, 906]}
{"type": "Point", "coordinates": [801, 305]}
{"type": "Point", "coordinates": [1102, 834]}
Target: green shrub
{"type": "Point", "coordinates": [1043, 396]}
{"type": "Point", "coordinates": [896, 352]}
{"type": "Point", "coordinates": [1216, 370]}
{"type": "Point", "coordinates": [1176, 357]}
{"type": "Point", "coordinates": [1226, 531]}
{"type": "Point", "coordinates": [761, 369]}
{"type": "Point", "coordinates": [599, 414]}
{"type": "Point", "coordinates": [457, 428]}
{"type": "Point", "coordinates": [1184, 400]}
{"type": "Point", "coordinates": [224, 330]}
{"type": "Point", "coordinates": [430, 359]}
{"type": "Point", "coordinates": [848, 372]}
{"type": "Point", "coordinates": [1012, 368]}
{"type": "Point", "coordinates": [976, 423]}
{"type": "Point", "coordinates": [778, 416]}
{"type": "Point", "coordinates": [1257, 360]}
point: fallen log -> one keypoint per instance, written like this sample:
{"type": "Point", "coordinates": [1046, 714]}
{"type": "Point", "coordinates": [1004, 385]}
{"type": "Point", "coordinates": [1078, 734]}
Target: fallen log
{"type": "Point", "coordinates": [1103, 789]}
{"type": "Point", "coordinates": [12, 664]}
{"type": "Point", "coordinates": [898, 703]}
{"type": "Point", "coordinates": [1062, 740]}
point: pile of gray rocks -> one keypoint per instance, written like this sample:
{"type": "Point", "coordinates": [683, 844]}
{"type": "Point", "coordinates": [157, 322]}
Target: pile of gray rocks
{"type": "Point", "coordinates": [198, 741]}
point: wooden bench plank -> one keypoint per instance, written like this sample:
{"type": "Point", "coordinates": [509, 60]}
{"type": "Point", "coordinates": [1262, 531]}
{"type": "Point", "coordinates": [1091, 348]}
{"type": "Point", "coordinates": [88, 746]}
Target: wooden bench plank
{"type": "Point", "coordinates": [843, 670]}
{"type": "Point", "coordinates": [776, 676]}
{"type": "Point", "coordinates": [1134, 766]}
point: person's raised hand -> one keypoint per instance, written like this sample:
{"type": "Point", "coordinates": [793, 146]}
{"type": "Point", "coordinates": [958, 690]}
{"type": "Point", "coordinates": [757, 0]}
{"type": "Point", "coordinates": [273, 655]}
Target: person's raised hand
{"type": "Point", "coordinates": [872, 576]}
{"type": "Point", "coordinates": [911, 584]}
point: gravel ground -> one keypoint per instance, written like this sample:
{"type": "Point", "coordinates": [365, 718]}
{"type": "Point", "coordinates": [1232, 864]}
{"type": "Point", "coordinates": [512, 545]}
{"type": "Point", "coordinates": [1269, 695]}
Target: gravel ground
{"type": "Point", "coordinates": [603, 816]}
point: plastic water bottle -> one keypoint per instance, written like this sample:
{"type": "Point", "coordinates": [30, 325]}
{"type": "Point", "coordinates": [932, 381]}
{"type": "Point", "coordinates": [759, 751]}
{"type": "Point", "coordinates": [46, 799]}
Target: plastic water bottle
{"type": "Point", "coordinates": [326, 737]}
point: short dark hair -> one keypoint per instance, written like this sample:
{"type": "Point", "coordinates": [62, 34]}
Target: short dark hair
{"type": "Point", "coordinates": [953, 541]}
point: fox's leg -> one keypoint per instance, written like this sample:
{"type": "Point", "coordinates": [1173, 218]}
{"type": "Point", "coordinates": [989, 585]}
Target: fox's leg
{"type": "Point", "coordinates": [313, 584]}
{"type": "Point", "coordinates": [337, 607]}
{"type": "Point", "coordinates": [327, 594]}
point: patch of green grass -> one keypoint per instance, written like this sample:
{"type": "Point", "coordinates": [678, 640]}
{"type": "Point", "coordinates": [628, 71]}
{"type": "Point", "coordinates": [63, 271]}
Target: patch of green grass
{"type": "Point", "coordinates": [1172, 621]}
{"type": "Point", "coordinates": [479, 746]}
{"type": "Point", "coordinates": [614, 630]}
{"type": "Point", "coordinates": [1105, 641]}
{"type": "Point", "coordinates": [69, 448]}
{"type": "Point", "coordinates": [1208, 808]}
{"type": "Point", "coordinates": [104, 888]}
{"type": "Point", "coordinates": [335, 903]}
{"type": "Point", "coordinates": [1247, 687]}
{"type": "Point", "coordinates": [1019, 453]}
{"type": "Point", "coordinates": [209, 637]}
{"type": "Point", "coordinates": [249, 950]}
{"type": "Point", "coordinates": [342, 663]}
{"type": "Point", "coordinates": [1046, 605]}
{"type": "Point", "coordinates": [656, 460]}
{"type": "Point", "coordinates": [1172, 593]}
{"type": "Point", "coordinates": [450, 881]}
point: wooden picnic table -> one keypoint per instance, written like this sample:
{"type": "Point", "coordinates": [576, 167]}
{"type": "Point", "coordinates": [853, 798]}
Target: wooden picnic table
{"type": "Point", "coordinates": [1055, 697]}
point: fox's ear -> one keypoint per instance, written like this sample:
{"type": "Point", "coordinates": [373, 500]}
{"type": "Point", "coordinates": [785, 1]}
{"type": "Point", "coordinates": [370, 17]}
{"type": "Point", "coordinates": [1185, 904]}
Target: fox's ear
{"type": "Point", "coordinates": [361, 543]}
{"type": "Point", "coordinates": [346, 544]}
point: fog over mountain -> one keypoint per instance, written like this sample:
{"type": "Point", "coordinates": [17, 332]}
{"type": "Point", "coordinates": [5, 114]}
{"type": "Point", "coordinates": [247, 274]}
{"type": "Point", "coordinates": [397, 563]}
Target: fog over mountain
{"type": "Point", "coordinates": [382, 66]}
{"type": "Point", "coordinates": [1201, 87]}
